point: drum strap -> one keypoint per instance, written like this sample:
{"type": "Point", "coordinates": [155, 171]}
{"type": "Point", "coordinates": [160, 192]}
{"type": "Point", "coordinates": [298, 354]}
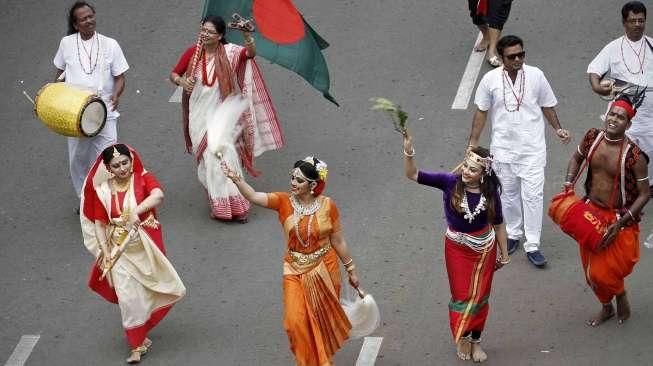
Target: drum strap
{"type": "Point", "coordinates": [102, 63]}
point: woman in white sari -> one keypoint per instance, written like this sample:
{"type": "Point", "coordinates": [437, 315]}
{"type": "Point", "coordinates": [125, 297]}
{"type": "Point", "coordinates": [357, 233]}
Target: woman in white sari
{"type": "Point", "coordinates": [121, 230]}
{"type": "Point", "coordinates": [209, 72]}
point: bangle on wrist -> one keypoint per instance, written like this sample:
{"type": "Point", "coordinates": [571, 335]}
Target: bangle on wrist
{"type": "Point", "coordinates": [409, 154]}
{"type": "Point", "coordinates": [350, 261]}
{"type": "Point", "coordinates": [350, 268]}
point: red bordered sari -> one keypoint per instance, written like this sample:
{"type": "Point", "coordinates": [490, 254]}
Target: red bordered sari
{"type": "Point", "coordinates": [142, 282]}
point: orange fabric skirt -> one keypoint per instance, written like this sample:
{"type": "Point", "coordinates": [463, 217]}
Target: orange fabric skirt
{"type": "Point", "coordinates": [605, 270]}
{"type": "Point", "coordinates": [313, 317]}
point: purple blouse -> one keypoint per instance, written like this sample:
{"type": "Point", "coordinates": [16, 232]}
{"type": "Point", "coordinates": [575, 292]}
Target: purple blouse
{"type": "Point", "coordinates": [446, 182]}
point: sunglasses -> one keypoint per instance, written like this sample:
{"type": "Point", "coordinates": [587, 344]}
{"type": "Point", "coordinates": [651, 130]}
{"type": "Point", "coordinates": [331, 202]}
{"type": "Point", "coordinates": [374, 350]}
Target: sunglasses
{"type": "Point", "coordinates": [514, 56]}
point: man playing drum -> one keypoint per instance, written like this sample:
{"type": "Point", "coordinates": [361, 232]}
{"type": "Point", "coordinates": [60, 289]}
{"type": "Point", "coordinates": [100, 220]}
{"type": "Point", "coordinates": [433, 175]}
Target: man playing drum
{"type": "Point", "coordinates": [628, 58]}
{"type": "Point", "coordinates": [90, 61]}
{"type": "Point", "coordinates": [617, 189]}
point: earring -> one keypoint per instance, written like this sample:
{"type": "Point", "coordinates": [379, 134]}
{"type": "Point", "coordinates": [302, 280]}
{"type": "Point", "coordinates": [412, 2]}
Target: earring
{"type": "Point", "coordinates": [313, 192]}
{"type": "Point", "coordinates": [482, 179]}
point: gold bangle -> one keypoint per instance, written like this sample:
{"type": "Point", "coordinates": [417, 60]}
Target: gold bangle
{"type": "Point", "coordinates": [351, 268]}
{"type": "Point", "coordinates": [409, 155]}
{"type": "Point", "coordinates": [348, 262]}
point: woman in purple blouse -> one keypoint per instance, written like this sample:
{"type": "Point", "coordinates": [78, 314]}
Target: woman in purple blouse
{"type": "Point", "coordinates": [472, 207]}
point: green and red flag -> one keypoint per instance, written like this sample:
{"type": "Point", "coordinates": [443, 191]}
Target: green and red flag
{"type": "Point", "coordinates": [282, 36]}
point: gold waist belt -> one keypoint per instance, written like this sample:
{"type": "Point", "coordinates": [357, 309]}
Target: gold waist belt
{"type": "Point", "coordinates": [306, 259]}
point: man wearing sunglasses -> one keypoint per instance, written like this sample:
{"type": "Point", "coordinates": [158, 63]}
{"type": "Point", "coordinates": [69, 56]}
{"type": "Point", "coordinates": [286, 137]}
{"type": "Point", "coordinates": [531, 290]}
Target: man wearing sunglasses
{"type": "Point", "coordinates": [517, 98]}
{"type": "Point", "coordinates": [629, 58]}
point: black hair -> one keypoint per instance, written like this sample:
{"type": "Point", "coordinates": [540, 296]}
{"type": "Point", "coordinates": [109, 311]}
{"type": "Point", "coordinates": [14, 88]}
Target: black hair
{"type": "Point", "coordinates": [508, 41]}
{"type": "Point", "coordinates": [220, 26]}
{"type": "Point", "coordinates": [71, 15]}
{"type": "Point", "coordinates": [308, 169]}
{"type": "Point", "coordinates": [490, 188]}
{"type": "Point", "coordinates": [635, 7]}
{"type": "Point", "coordinates": [107, 154]}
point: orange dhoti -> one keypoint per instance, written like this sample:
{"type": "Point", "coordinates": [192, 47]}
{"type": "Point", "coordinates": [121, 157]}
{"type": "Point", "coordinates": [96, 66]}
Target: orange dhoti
{"type": "Point", "coordinates": [606, 269]}
{"type": "Point", "coordinates": [314, 320]}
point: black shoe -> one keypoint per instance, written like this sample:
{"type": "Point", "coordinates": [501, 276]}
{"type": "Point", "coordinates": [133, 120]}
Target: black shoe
{"type": "Point", "coordinates": [513, 244]}
{"type": "Point", "coordinates": [536, 258]}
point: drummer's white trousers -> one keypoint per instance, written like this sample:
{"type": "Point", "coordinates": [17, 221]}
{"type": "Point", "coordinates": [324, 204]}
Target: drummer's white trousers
{"type": "Point", "coordinates": [83, 151]}
{"type": "Point", "coordinates": [522, 201]}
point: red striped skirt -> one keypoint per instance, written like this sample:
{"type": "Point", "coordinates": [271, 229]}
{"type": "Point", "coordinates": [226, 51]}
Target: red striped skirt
{"type": "Point", "coordinates": [470, 279]}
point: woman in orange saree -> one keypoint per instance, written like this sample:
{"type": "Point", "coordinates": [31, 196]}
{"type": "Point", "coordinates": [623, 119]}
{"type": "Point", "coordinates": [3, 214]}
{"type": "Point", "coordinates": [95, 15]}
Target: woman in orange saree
{"type": "Point", "coordinates": [313, 317]}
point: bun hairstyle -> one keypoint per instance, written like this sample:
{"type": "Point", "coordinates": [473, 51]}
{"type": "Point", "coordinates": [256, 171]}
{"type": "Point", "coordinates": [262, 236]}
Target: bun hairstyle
{"type": "Point", "coordinates": [308, 167]}
{"type": "Point", "coordinates": [107, 154]}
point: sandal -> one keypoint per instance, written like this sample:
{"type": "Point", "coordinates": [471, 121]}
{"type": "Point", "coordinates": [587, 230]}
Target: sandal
{"type": "Point", "coordinates": [136, 353]}
{"type": "Point", "coordinates": [494, 61]}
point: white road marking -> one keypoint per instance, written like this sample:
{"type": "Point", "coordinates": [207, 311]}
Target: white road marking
{"type": "Point", "coordinates": [176, 96]}
{"type": "Point", "coordinates": [23, 350]}
{"type": "Point", "coordinates": [369, 351]}
{"type": "Point", "coordinates": [469, 77]}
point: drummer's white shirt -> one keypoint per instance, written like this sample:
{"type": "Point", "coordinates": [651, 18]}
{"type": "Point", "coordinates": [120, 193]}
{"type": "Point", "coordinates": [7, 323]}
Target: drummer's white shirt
{"type": "Point", "coordinates": [114, 64]}
{"type": "Point", "coordinates": [611, 61]}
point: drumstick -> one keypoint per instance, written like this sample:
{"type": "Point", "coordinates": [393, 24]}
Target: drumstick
{"type": "Point", "coordinates": [28, 97]}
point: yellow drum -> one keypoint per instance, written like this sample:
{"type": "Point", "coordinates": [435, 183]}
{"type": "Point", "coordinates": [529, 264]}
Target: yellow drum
{"type": "Point", "coordinates": [70, 111]}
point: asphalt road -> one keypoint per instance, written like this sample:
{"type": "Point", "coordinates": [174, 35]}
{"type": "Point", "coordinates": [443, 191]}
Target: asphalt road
{"type": "Point", "coordinates": [412, 51]}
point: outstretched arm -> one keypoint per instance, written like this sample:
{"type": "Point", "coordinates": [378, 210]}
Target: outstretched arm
{"type": "Point", "coordinates": [257, 198]}
{"type": "Point", "coordinates": [409, 163]}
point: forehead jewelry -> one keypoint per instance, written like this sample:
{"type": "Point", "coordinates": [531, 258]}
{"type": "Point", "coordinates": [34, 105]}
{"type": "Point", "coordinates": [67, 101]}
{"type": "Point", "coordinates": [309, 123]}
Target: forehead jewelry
{"type": "Point", "coordinates": [115, 152]}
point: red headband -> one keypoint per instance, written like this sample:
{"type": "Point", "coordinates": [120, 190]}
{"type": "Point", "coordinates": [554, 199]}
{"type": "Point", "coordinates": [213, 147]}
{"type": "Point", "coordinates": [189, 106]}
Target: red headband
{"type": "Point", "coordinates": [625, 105]}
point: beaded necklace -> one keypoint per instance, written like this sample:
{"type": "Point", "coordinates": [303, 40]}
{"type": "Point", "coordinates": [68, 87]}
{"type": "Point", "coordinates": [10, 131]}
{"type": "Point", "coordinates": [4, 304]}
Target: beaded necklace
{"type": "Point", "coordinates": [470, 216]}
{"type": "Point", "coordinates": [300, 210]}
{"type": "Point", "coordinates": [205, 74]}
{"type": "Point", "coordinates": [89, 53]}
{"type": "Point", "coordinates": [519, 98]}
{"type": "Point", "coordinates": [640, 55]}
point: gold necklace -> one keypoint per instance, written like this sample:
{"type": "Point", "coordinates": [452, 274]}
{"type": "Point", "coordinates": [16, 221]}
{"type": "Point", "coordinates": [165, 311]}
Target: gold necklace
{"type": "Point", "coordinates": [120, 187]}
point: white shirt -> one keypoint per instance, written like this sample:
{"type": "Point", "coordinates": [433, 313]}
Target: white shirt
{"type": "Point", "coordinates": [518, 136]}
{"type": "Point", "coordinates": [111, 62]}
{"type": "Point", "coordinates": [610, 61]}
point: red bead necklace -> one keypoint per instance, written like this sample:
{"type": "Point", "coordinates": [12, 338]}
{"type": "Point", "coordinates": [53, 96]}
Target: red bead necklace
{"type": "Point", "coordinates": [519, 98]}
{"type": "Point", "coordinates": [204, 73]}
{"type": "Point", "coordinates": [641, 55]}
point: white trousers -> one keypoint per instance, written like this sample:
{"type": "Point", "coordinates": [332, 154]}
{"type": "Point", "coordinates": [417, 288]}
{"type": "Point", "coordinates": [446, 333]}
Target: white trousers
{"type": "Point", "coordinates": [522, 201]}
{"type": "Point", "coordinates": [83, 151]}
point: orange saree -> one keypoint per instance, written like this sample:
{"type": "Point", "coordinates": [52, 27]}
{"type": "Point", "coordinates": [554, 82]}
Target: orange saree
{"type": "Point", "coordinates": [313, 317]}
{"type": "Point", "coordinates": [605, 270]}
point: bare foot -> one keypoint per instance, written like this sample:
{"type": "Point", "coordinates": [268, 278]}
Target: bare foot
{"type": "Point", "coordinates": [607, 312]}
{"type": "Point", "coordinates": [478, 355]}
{"type": "Point", "coordinates": [623, 308]}
{"type": "Point", "coordinates": [463, 349]}
{"type": "Point", "coordinates": [136, 353]}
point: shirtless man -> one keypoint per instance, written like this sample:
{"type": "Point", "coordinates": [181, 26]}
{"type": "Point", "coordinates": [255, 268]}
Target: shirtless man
{"type": "Point", "coordinates": [612, 197]}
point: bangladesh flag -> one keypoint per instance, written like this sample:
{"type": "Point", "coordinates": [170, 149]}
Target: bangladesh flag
{"type": "Point", "coordinates": [282, 36]}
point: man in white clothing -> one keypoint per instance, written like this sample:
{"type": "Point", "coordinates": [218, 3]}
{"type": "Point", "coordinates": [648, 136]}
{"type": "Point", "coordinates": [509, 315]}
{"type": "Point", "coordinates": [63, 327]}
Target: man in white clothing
{"type": "Point", "coordinates": [516, 98]}
{"type": "Point", "coordinates": [91, 61]}
{"type": "Point", "coordinates": [629, 58]}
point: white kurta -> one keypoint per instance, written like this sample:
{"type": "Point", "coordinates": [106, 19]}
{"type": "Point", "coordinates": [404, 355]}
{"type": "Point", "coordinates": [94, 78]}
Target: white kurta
{"type": "Point", "coordinates": [518, 145]}
{"type": "Point", "coordinates": [104, 64]}
{"type": "Point", "coordinates": [619, 60]}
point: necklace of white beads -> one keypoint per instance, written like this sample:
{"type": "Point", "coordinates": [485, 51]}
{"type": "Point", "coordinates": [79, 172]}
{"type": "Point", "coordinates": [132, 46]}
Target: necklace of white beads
{"type": "Point", "coordinates": [477, 210]}
{"type": "Point", "coordinates": [300, 210]}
